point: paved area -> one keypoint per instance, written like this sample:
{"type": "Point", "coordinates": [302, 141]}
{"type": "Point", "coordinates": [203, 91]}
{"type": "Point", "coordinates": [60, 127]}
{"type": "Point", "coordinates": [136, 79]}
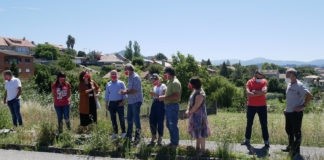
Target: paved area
{"type": "Point", "coordinates": [28, 155]}
{"type": "Point", "coordinates": [257, 150]}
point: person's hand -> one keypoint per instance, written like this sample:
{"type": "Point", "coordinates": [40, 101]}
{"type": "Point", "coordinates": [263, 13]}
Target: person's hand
{"type": "Point", "coordinates": [187, 113]}
{"type": "Point", "coordinates": [96, 95]}
{"type": "Point", "coordinates": [123, 92]}
{"type": "Point", "coordinates": [151, 93]}
{"type": "Point", "coordinates": [284, 111]}
{"type": "Point", "coordinates": [299, 108]}
{"type": "Point", "coordinates": [120, 104]}
{"type": "Point", "coordinates": [93, 88]}
{"type": "Point", "coordinates": [161, 98]}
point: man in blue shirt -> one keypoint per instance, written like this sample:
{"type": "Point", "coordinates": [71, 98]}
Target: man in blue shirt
{"type": "Point", "coordinates": [115, 102]}
{"type": "Point", "coordinates": [135, 100]}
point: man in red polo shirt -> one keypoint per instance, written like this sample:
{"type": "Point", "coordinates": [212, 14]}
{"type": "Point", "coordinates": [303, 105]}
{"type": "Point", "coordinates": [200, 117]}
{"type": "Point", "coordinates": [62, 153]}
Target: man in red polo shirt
{"type": "Point", "coordinates": [256, 89]}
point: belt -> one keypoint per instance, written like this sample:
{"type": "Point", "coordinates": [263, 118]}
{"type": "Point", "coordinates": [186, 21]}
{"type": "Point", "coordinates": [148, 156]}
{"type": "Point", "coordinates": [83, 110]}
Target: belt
{"type": "Point", "coordinates": [116, 101]}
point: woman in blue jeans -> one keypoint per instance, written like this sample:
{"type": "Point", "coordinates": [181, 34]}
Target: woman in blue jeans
{"type": "Point", "coordinates": [157, 109]}
{"type": "Point", "coordinates": [61, 90]}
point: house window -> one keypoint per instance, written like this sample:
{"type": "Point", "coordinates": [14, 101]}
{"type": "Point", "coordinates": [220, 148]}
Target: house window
{"type": "Point", "coordinates": [27, 70]}
{"type": "Point", "coordinates": [27, 60]}
{"type": "Point", "coordinates": [19, 70]}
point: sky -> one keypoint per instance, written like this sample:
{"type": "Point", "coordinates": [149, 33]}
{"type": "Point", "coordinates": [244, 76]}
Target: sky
{"type": "Point", "coordinates": [215, 29]}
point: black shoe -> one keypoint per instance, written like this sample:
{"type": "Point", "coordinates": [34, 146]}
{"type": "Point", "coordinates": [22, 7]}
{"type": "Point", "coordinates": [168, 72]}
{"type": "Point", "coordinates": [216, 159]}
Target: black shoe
{"type": "Point", "coordinates": [287, 149]}
{"type": "Point", "coordinates": [267, 146]}
{"type": "Point", "coordinates": [245, 143]}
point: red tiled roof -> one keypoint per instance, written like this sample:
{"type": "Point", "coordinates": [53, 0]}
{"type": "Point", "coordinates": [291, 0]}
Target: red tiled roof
{"type": "Point", "coordinates": [3, 42]}
{"type": "Point", "coordinates": [19, 42]}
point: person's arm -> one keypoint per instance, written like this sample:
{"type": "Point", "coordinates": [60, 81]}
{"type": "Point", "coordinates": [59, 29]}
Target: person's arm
{"type": "Point", "coordinates": [249, 93]}
{"type": "Point", "coordinates": [308, 98]}
{"type": "Point", "coordinates": [53, 91]}
{"type": "Point", "coordinates": [123, 87]}
{"type": "Point", "coordinates": [107, 96]}
{"type": "Point", "coordinates": [263, 91]}
{"type": "Point", "coordinates": [198, 101]}
{"type": "Point", "coordinates": [19, 92]}
{"type": "Point", "coordinates": [69, 89]}
{"type": "Point", "coordinates": [5, 98]}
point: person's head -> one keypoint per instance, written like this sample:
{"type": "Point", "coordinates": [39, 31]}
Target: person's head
{"type": "Point", "coordinates": [291, 75]}
{"type": "Point", "coordinates": [258, 76]}
{"type": "Point", "coordinates": [84, 76]}
{"type": "Point", "coordinates": [155, 79]}
{"type": "Point", "coordinates": [195, 83]}
{"type": "Point", "coordinates": [113, 75]}
{"type": "Point", "coordinates": [169, 73]}
{"type": "Point", "coordinates": [60, 78]}
{"type": "Point", "coordinates": [7, 75]}
{"type": "Point", "coordinates": [129, 69]}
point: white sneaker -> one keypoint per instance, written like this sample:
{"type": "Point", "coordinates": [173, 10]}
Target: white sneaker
{"type": "Point", "coordinates": [114, 136]}
{"type": "Point", "coordinates": [123, 135]}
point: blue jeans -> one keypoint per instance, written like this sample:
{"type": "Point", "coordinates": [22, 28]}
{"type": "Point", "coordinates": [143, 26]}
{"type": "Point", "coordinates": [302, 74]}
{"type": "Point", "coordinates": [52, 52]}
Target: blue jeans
{"type": "Point", "coordinates": [157, 118]}
{"type": "Point", "coordinates": [14, 106]}
{"type": "Point", "coordinates": [262, 112]}
{"type": "Point", "coordinates": [113, 109]}
{"type": "Point", "coordinates": [133, 115]}
{"type": "Point", "coordinates": [171, 112]}
{"type": "Point", "coordinates": [60, 112]}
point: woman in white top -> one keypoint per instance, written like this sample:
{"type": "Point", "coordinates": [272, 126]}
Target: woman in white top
{"type": "Point", "coordinates": [157, 109]}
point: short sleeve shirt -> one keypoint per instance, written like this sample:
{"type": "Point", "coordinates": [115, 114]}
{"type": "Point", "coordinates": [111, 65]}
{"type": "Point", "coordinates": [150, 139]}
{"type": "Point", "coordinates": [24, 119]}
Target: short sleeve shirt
{"type": "Point", "coordinates": [257, 101]}
{"type": "Point", "coordinates": [295, 95]}
{"type": "Point", "coordinates": [159, 90]}
{"type": "Point", "coordinates": [173, 86]}
{"type": "Point", "coordinates": [134, 83]}
{"type": "Point", "coordinates": [12, 88]}
{"type": "Point", "coordinates": [61, 94]}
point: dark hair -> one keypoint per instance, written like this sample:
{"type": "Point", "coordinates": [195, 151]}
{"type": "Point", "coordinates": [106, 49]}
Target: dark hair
{"type": "Point", "coordinates": [7, 73]}
{"type": "Point", "coordinates": [195, 82]}
{"type": "Point", "coordinates": [170, 71]}
{"type": "Point", "coordinates": [82, 74]}
{"type": "Point", "coordinates": [59, 75]}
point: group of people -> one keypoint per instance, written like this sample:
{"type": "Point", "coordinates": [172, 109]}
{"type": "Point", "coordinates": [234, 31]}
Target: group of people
{"type": "Point", "coordinates": [297, 98]}
{"type": "Point", "coordinates": [166, 103]}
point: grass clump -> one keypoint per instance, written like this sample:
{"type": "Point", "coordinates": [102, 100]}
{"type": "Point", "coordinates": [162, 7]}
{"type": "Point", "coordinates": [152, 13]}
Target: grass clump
{"type": "Point", "coordinates": [46, 134]}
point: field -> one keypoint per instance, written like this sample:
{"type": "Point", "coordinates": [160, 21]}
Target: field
{"type": "Point", "coordinates": [225, 126]}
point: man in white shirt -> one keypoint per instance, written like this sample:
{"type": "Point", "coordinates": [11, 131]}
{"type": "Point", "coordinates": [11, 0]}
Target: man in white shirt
{"type": "Point", "coordinates": [12, 96]}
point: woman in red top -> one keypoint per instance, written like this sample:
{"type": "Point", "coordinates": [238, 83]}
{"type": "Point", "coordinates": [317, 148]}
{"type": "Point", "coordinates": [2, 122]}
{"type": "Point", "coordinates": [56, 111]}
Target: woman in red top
{"type": "Point", "coordinates": [61, 90]}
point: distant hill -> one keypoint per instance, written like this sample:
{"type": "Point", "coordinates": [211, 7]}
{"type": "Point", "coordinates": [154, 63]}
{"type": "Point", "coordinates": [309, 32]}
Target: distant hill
{"type": "Point", "coordinates": [258, 61]}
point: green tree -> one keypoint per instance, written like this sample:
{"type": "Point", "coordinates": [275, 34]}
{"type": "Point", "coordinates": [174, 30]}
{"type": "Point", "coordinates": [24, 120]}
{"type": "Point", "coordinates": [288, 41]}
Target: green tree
{"type": "Point", "coordinates": [46, 51]}
{"type": "Point", "coordinates": [14, 69]}
{"type": "Point", "coordinates": [186, 68]}
{"type": "Point", "coordinates": [81, 54]}
{"type": "Point", "coordinates": [137, 50]}
{"type": "Point", "coordinates": [129, 51]}
{"type": "Point", "coordinates": [70, 42]}
{"type": "Point", "coordinates": [208, 63]}
{"type": "Point", "coordinates": [43, 78]}
{"type": "Point", "coordinates": [66, 63]}
{"type": "Point", "coordinates": [138, 61]}
{"type": "Point", "coordinates": [224, 71]}
{"type": "Point", "coordinates": [106, 69]}
{"type": "Point", "coordinates": [70, 52]}
{"type": "Point", "coordinates": [160, 57]}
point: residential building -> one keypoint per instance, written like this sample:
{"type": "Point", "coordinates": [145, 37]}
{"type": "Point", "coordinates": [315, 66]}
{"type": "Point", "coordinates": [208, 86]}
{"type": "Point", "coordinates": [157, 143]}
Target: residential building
{"type": "Point", "coordinates": [25, 63]}
{"type": "Point", "coordinates": [111, 59]}
{"type": "Point", "coordinates": [18, 45]}
{"type": "Point", "coordinates": [270, 73]}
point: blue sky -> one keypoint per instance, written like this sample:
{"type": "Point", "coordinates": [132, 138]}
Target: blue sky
{"type": "Point", "coordinates": [227, 29]}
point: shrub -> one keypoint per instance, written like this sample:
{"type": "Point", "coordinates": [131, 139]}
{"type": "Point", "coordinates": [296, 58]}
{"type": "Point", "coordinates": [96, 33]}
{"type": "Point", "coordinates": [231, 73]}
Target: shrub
{"type": "Point", "coordinates": [46, 134]}
{"type": "Point", "coordinates": [138, 61]}
{"type": "Point", "coordinates": [155, 68]}
{"type": "Point", "coordinates": [66, 63]}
